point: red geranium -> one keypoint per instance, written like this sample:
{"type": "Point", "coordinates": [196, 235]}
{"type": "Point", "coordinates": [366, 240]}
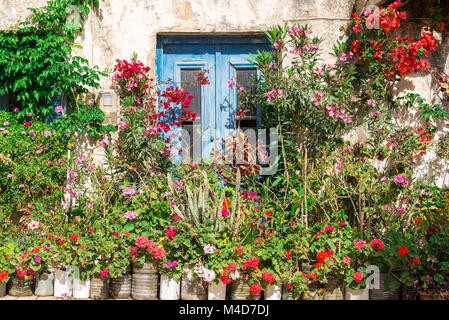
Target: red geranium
{"type": "Point", "coordinates": [255, 289]}
{"type": "Point", "coordinates": [74, 237]}
{"type": "Point", "coordinates": [403, 250]}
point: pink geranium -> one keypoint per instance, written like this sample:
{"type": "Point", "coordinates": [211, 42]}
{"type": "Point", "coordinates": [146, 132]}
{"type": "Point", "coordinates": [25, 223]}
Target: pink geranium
{"type": "Point", "coordinates": [33, 224]}
{"type": "Point", "coordinates": [359, 244]}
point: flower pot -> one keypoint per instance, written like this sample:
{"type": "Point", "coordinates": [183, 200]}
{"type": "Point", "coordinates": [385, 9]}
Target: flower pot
{"type": "Point", "coordinates": [99, 287]}
{"type": "Point", "coordinates": [356, 294]}
{"type": "Point", "coordinates": [436, 296]}
{"type": "Point", "coordinates": [216, 291]}
{"type": "Point", "coordinates": [144, 282]}
{"type": "Point", "coordinates": [192, 288]}
{"type": "Point", "coordinates": [240, 291]}
{"type": "Point", "coordinates": [409, 293]}
{"type": "Point", "coordinates": [287, 294]}
{"type": "Point", "coordinates": [314, 291]}
{"type": "Point", "coordinates": [62, 284]}
{"type": "Point", "coordinates": [81, 288]}
{"type": "Point", "coordinates": [21, 287]}
{"type": "Point", "coordinates": [44, 284]}
{"type": "Point", "coordinates": [121, 286]}
{"type": "Point", "coordinates": [2, 290]}
{"type": "Point", "coordinates": [170, 288]}
{"type": "Point", "coordinates": [334, 290]}
{"type": "Point", "coordinates": [273, 292]}
{"type": "Point", "coordinates": [383, 293]}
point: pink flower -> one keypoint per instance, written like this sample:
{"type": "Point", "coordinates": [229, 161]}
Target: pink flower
{"type": "Point", "coordinates": [58, 109]}
{"type": "Point", "coordinates": [104, 143]}
{"type": "Point", "coordinates": [33, 225]}
{"type": "Point", "coordinates": [129, 192]}
{"type": "Point", "coordinates": [142, 241]}
{"type": "Point", "coordinates": [359, 244]}
{"type": "Point", "coordinates": [400, 179]}
{"type": "Point", "coordinates": [37, 259]}
{"type": "Point", "coordinates": [27, 124]}
{"type": "Point", "coordinates": [401, 210]}
{"type": "Point", "coordinates": [170, 233]}
{"type": "Point", "coordinates": [10, 175]}
{"type": "Point", "coordinates": [104, 273]}
{"type": "Point", "coordinates": [347, 260]}
{"type": "Point", "coordinates": [342, 223]}
{"type": "Point", "coordinates": [130, 215]}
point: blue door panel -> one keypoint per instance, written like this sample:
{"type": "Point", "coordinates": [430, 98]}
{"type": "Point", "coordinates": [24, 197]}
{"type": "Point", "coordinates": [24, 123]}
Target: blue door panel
{"type": "Point", "coordinates": [222, 56]}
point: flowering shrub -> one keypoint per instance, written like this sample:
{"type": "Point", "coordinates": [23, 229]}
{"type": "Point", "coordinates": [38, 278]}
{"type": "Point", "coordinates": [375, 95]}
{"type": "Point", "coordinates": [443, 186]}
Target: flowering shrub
{"type": "Point", "coordinates": [33, 165]}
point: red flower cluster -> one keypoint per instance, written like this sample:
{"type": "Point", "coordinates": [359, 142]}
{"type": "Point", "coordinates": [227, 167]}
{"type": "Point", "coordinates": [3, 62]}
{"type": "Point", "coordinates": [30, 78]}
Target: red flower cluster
{"type": "Point", "coordinates": [321, 256]}
{"type": "Point", "coordinates": [142, 241]}
{"type": "Point", "coordinates": [268, 277]}
{"type": "Point", "coordinates": [3, 275]}
{"type": "Point", "coordinates": [255, 289]}
{"type": "Point", "coordinates": [403, 250]}
{"type": "Point", "coordinates": [74, 237]}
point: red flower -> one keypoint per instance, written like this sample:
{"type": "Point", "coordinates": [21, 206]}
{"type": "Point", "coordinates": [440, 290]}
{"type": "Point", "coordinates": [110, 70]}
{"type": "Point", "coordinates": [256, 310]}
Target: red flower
{"type": "Point", "coordinates": [288, 254]}
{"type": "Point", "coordinates": [159, 253]}
{"type": "Point", "coordinates": [255, 289]}
{"type": "Point", "coordinates": [170, 233]}
{"type": "Point", "coordinates": [3, 275]}
{"type": "Point", "coordinates": [321, 256]}
{"type": "Point", "coordinates": [377, 244]}
{"type": "Point", "coordinates": [142, 241]}
{"type": "Point", "coordinates": [225, 280]}
{"type": "Point", "coordinates": [253, 262]}
{"type": "Point", "coordinates": [268, 213]}
{"type": "Point", "coordinates": [35, 250]}
{"type": "Point", "coordinates": [289, 286]}
{"type": "Point", "coordinates": [358, 277]}
{"type": "Point", "coordinates": [239, 249]}
{"type": "Point", "coordinates": [74, 237]}
{"type": "Point", "coordinates": [418, 220]}
{"type": "Point", "coordinates": [403, 250]}
{"type": "Point", "coordinates": [312, 275]}
{"type": "Point", "coordinates": [268, 277]}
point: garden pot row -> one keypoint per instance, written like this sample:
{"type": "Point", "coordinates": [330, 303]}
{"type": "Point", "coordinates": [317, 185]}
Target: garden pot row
{"type": "Point", "coordinates": [142, 284]}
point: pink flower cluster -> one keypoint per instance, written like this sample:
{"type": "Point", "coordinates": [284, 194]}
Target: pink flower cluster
{"type": "Point", "coordinates": [400, 179]}
{"type": "Point", "coordinates": [359, 244]}
{"type": "Point", "coordinates": [273, 93]}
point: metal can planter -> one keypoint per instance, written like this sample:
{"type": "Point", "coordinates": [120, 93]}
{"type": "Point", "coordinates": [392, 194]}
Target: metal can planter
{"type": "Point", "coordinates": [192, 288]}
{"type": "Point", "coordinates": [170, 288]}
{"type": "Point", "coordinates": [287, 294]}
{"type": "Point", "coordinates": [334, 290]}
{"type": "Point", "coordinates": [99, 287]}
{"type": "Point", "coordinates": [63, 285]}
{"type": "Point", "coordinates": [121, 287]}
{"type": "Point", "coordinates": [216, 291]}
{"type": "Point", "coordinates": [356, 294]}
{"type": "Point", "coordinates": [21, 287]}
{"type": "Point", "coordinates": [273, 292]}
{"type": "Point", "coordinates": [44, 284]}
{"type": "Point", "coordinates": [144, 282]}
{"type": "Point", "coordinates": [2, 290]}
{"type": "Point", "coordinates": [314, 292]}
{"type": "Point", "coordinates": [383, 293]}
{"type": "Point", "coordinates": [240, 291]}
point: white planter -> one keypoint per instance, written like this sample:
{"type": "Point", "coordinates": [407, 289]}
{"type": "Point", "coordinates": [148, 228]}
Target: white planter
{"type": "Point", "coordinates": [63, 285]}
{"type": "Point", "coordinates": [216, 291]}
{"type": "Point", "coordinates": [356, 294]}
{"type": "Point", "coordinates": [273, 292]}
{"type": "Point", "coordinates": [170, 289]}
{"type": "Point", "coordinates": [81, 289]}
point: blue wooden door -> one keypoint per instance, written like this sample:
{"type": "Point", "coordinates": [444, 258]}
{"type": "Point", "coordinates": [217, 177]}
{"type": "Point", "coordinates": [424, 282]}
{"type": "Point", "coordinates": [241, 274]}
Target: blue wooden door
{"type": "Point", "coordinates": [226, 58]}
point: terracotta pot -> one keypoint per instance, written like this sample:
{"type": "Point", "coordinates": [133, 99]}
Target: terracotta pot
{"type": "Point", "coordinates": [170, 288]}
{"type": "Point", "coordinates": [334, 290]}
{"type": "Point", "coordinates": [356, 294]}
{"type": "Point", "coordinates": [121, 286]}
{"type": "Point", "coordinates": [383, 293]}
{"type": "Point", "coordinates": [2, 290]}
{"type": "Point", "coordinates": [192, 288]}
{"type": "Point", "coordinates": [216, 291]}
{"type": "Point", "coordinates": [99, 287]}
{"type": "Point", "coordinates": [273, 292]}
{"type": "Point", "coordinates": [144, 282]}
{"type": "Point", "coordinates": [44, 284]}
{"type": "Point", "coordinates": [240, 291]}
{"type": "Point", "coordinates": [21, 287]}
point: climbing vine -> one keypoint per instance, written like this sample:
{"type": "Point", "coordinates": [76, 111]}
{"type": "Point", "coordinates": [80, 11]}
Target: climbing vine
{"type": "Point", "coordinates": [37, 67]}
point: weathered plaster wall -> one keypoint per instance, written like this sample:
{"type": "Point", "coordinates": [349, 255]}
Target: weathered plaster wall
{"type": "Point", "coordinates": [118, 28]}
